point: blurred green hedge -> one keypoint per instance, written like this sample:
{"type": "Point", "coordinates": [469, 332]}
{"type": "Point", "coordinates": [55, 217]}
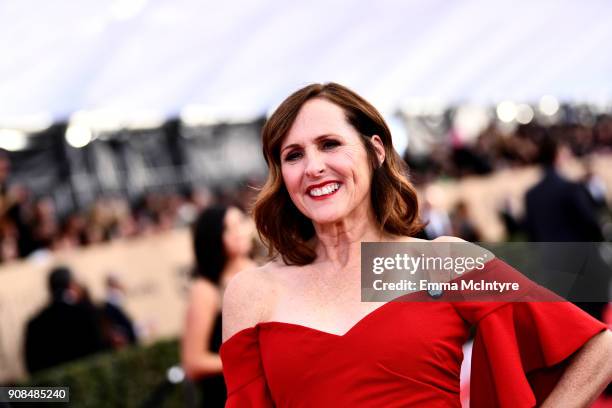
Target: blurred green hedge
{"type": "Point", "coordinates": [126, 378]}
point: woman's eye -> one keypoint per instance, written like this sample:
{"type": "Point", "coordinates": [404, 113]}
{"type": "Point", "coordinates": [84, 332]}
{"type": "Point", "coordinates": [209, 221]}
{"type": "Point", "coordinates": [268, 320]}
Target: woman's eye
{"type": "Point", "coordinates": [330, 144]}
{"type": "Point", "coordinates": [293, 156]}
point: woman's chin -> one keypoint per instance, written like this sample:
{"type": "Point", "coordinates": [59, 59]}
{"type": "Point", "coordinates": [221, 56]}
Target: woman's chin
{"type": "Point", "coordinates": [330, 218]}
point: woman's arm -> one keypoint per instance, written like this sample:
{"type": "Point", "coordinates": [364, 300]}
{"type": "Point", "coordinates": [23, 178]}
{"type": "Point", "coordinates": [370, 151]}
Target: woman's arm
{"type": "Point", "coordinates": [202, 309]}
{"type": "Point", "coordinates": [245, 303]}
{"type": "Point", "coordinates": [247, 300]}
{"type": "Point", "coordinates": [587, 375]}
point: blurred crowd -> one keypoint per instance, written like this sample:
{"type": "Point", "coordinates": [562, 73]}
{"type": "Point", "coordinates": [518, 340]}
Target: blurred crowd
{"type": "Point", "coordinates": [30, 225]}
{"type": "Point", "coordinates": [494, 149]}
{"type": "Point", "coordinates": [73, 326]}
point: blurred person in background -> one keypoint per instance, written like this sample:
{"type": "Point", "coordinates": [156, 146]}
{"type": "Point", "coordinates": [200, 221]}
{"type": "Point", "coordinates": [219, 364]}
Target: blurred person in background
{"type": "Point", "coordinates": [512, 223]}
{"type": "Point", "coordinates": [194, 201]}
{"type": "Point", "coordinates": [19, 213]}
{"type": "Point", "coordinates": [72, 232]}
{"type": "Point", "coordinates": [99, 222]}
{"type": "Point", "coordinates": [436, 218]}
{"type": "Point", "coordinates": [153, 214]}
{"type": "Point", "coordinates": [602, 133]}
{"type": "Point", "coordinates": [16, 229]}
{"type": "Point", "coordinates": [222, 241]}
{"type": "Point", "coordinates": [438, 221]}
{"type": "Point", "coordinates": [44, 224]}
{"type": "Point", "coordinates": [5, 169]}
{"type": "Point", "coordinates": [117, 326]}
{"type": "Point", "coordinates": [595, 187]}
{"type": "Point", "coordinates": [9, 248]}
{"type": "Point", "coordinates": [463, 227]}
{"type": "Point", "coordinates": [66, 329]}
{"type": "Point", "coordinates": [559, 210]}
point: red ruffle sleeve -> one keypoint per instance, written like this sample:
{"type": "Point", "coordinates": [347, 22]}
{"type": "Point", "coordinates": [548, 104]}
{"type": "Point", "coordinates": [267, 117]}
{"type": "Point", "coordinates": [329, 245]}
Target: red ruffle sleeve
{"type": "Point", "coordinates": [243, 371]}
{"type": "Point", "coordinates": [521, 349]}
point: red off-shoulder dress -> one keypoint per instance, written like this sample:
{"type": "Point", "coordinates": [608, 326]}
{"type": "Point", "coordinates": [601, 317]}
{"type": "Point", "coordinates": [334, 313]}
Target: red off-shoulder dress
{"type": "Point", "coordinates": [409, 354]}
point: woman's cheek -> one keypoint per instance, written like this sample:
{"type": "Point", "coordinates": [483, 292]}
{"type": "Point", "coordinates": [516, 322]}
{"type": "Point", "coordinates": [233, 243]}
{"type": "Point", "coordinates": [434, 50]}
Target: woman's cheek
{"type": "Point", "coordinates": [291, 178]}
{"type": "Point", "coordinates": [348, 158]}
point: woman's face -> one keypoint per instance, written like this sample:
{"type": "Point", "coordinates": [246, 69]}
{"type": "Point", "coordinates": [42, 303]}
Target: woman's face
{"type": "Point", "coordinates": [325, 165]}
{"type": "Point", "coordinates": [238, 233]}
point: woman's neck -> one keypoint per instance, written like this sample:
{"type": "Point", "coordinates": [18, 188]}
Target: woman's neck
{"type": "Point", "coordinates": [338, 243]}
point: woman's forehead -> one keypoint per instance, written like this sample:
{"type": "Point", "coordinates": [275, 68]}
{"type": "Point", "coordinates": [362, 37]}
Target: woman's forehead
{"type": "Point", "coordinates": [316, 118]}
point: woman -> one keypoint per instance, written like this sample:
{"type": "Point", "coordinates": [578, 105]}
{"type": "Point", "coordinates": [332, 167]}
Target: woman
{"type": "Point", "coordinates": [295, 330]}
{"type": "Point", "coordinates": [222, 241]}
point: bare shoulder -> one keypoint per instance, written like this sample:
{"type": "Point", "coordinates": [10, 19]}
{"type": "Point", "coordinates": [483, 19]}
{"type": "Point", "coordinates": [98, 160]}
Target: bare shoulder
{"type": "Point", "coordinates": [448, 238]}
{"type": "Point", "coordinates": [443, 238]}
{"type": "Point", "coordinates": [405, 238]}
{"type": "Point", "coordinates": [248, 299]}
{"type": "Point", "coordinates": [439, 249]}
{"type": "Point", "coordinates": [200, 286]}
{"type": "Point", "coordinates": [204, 292]}
{"type": "Point", "coordinates": [467, 249]}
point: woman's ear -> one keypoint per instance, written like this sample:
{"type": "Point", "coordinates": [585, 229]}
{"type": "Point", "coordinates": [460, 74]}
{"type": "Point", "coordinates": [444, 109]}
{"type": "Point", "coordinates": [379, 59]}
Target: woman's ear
{"type": "Point", "coordinates": [379, 147]}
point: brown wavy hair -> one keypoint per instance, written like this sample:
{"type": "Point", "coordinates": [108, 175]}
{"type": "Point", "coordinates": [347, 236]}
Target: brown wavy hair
{"type": "Point", "coordinates": [282, 227]}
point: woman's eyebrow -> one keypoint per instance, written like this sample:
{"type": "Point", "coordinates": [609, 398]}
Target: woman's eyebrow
{"type": "Point", "coordinates": [317, 139]}
{"type": "Point", "coordinates": [291, 146]}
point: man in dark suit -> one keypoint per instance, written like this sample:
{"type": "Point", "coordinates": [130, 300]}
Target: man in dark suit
{"type": "Point", "coordinates": [66, 329]}
{"type": "Point", "coordinates": [559, 210]}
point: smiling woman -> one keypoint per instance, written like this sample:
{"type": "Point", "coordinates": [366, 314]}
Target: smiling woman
{"type": "Point", "coordinates": [330, 155]}
{"type": "Point", "coordinates": [296, 333]}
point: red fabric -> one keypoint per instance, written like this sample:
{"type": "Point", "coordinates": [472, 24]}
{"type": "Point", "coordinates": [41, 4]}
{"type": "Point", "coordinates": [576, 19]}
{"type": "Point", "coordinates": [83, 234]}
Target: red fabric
{"type": "Point", "coordinates": [409, 354]}
{"type": "Point", "coordinates": [244, 375]}
{"type": "Point", "coordinates": [520, 351]}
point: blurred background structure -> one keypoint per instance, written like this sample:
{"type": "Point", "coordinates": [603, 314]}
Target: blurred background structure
{"type": "Point", "coordinates": [121, 120]}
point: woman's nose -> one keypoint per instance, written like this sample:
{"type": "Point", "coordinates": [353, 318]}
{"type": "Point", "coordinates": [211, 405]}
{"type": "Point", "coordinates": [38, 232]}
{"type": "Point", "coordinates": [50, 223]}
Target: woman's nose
{"type": "Point", "coordinates": [315, 165]}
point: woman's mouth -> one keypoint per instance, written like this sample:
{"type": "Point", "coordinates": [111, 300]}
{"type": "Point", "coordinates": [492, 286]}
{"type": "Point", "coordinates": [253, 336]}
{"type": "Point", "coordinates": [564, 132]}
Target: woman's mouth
{"type": "Point", "coordinates": [323, 192]}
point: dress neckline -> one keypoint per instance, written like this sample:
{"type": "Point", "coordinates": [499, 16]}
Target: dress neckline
{"type": "Point", "coordinates": [358, 323]}
{"type": "Point", "coordinates": [297, 326]}
{"type": "Point", "coordinates": [272, 323]}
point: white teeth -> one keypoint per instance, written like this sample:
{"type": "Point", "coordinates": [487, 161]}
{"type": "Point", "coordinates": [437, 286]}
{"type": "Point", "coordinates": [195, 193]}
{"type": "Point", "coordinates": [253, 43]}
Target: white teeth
{"type": "Point", "coordinates": [328, 189]}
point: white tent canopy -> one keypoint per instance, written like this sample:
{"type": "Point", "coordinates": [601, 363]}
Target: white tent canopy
{"type": "Point", "coordinates": [155, 57]}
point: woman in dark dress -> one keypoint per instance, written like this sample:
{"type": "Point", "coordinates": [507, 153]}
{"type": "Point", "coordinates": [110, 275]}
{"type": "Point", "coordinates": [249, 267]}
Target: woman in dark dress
{"type": "Point", "coordinates": [222, 240]}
